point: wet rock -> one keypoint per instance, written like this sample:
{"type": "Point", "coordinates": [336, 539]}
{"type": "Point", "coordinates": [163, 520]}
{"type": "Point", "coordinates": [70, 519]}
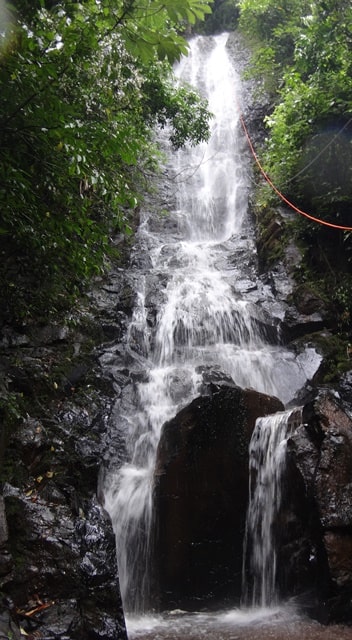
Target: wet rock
{"type": "Point", "coordinates": [155, 296]}
{"type": "Point", "coordinates": [8, 628]}
{"type": "Point", "coordinates": [308, 301]}
{"type": "Point", "coordinates": [30, 441]}
{"type": "Point", "coordinates": [338, 545]}
{"type": "Point", "coordinates": [12, 338]}
{"type": "Point", "coordinates": [112, 303]}
{"type": "Point", "coordinates": [321, 451]}
{"type": "Point", "coordinates": [49, 334]}
{"type": "Point", "coordinates": [141, 259]}
{"type": "Point", "coordinates": [345, 386]}
{"type": "Point", "coordinates": [69, 561]}
{"type": "Point", "coordinates": [201, 493]}
{"type": "Point", "coordinates": [306, 314]}
{"type": "Point", "coordinates": [57, 547]}
{"type": "Point", "coordinates": [213, 375]}
{"type": "Point", "coordinates": [6, 561]}
{"type": "Point", "coordinates": [34, 336]}
{"type": "Point", "coordinates": [332, 427]}
{"type": "Point", "coordinates": [296, 324]}
{"type": "Point", "coordinates": [299, 550]}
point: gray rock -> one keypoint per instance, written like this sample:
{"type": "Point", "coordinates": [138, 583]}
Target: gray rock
{"type": "Point", "coordinates": [321, 452]}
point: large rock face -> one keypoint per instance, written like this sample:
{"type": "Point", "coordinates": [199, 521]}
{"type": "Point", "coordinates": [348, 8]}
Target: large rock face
{"type": "Point", "coordinates": [201, 494]}
{"type": "Point", "coordinates": [58, 570]}
{"type": "Point", "coordinates": [321, 452]}
{"type": "Point", "coordinates": [58, 566]}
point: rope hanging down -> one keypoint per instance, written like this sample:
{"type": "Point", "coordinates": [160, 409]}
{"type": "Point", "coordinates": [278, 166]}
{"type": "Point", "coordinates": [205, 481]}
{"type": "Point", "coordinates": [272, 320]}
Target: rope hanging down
{"type": "Point", "coordinates": [281, 196]}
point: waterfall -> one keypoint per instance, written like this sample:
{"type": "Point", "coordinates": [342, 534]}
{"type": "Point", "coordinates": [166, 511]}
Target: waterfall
{"type": "Point", "coordinates": [211, 311]}
{"type": "Point", "coordinates": [267, 463]}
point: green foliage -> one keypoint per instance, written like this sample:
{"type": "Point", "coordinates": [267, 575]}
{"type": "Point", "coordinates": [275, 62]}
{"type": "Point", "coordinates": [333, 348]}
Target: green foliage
{"type": "Point", "coordinates": [77, 111]}
{"type": "Point", "coordinates": [174, 107]}
{"type": "Point", "coordinates": [10, 407]}
{"type": "Point", "coordinates": [306, 50]}
{"type": "Point", "coordinates": [144, 26]}
{"type": "Point", "coordinates": [303, 53]}
{"type": "Point", "coordinates": [272, 26]}
{"type": "Point", "coordinates": [290, 124]}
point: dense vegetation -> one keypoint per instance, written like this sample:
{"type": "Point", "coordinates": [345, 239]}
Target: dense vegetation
{"type": "Point", "coordinates": [83, 85]}
{"type": "Point", "coordinates": [303, 59]}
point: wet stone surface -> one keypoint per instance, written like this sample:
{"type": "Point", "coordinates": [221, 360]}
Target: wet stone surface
{"type": "Point", "coordinates": [58, 571]}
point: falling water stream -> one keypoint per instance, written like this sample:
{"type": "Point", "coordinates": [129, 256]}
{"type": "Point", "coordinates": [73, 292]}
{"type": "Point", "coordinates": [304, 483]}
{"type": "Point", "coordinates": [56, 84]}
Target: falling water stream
{"type": "Point", "coordinates": [212, 312]}
{"type": "Point", "coordinates": [267, 460]}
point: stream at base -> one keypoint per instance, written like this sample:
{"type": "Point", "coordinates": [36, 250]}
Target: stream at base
{"type": "Point", "coordinates": [281, 623]}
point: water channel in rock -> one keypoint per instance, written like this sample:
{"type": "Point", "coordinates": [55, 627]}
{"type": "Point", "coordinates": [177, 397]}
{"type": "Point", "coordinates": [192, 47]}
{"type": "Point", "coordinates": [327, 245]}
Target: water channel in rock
{"type": "Point", "coordinates": [267, 463]}
{"type": "Point", "coordinates": [200, 304]}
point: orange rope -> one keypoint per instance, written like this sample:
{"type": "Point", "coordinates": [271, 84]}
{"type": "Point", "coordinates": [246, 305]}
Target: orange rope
{"type": "Point", "coordinates": [283, 198]}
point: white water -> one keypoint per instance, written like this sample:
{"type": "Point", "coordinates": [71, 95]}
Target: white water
{"type": "Point", "coordinates": [210, 313]}
{"type": "Point", "coordinates": [267, 461]}
{"type": "Point", "coordinates": [180, 624]}
{"type": "Point", "coordinates": [276, 623]}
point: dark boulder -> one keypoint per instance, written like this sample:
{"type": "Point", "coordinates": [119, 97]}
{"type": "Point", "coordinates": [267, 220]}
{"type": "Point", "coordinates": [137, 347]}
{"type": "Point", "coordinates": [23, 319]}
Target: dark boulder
{"type": "Point", "coordinates": [296, 324]}
{"type": "Point", "coordinates": [201, 495]}
{"type": "Point", "coordinates": [321, 452]}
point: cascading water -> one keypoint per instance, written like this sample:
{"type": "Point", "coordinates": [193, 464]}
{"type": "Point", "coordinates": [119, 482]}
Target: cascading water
{"type": "Point", "coordinates": [267, 462]}
{"type": "Point", "coordinates": [211, 312]}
